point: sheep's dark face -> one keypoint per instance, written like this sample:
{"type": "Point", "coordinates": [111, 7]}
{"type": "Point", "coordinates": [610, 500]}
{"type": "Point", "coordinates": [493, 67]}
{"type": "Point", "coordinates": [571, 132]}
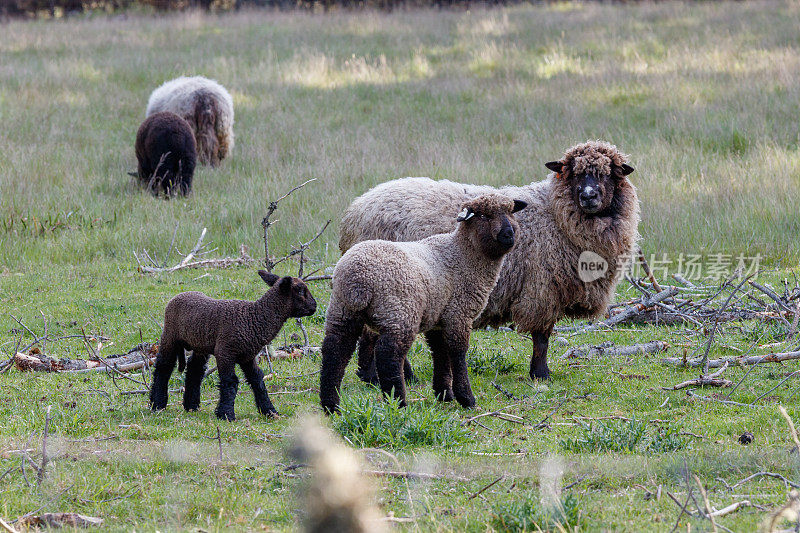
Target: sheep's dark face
{"type": "Point", "coordinates": [491, 223]}
{"type": "Point", "coordinates": [592, 187]}
{"type": "Point", "coordinates": [294, 290]}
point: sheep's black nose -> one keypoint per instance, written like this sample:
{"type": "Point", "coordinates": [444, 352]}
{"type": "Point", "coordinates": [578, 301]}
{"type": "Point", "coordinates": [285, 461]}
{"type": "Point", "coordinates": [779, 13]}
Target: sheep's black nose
{"type": "Point", "coordinates": [589, 195]}
{"type": "Point", "coordinates": [506, 236]}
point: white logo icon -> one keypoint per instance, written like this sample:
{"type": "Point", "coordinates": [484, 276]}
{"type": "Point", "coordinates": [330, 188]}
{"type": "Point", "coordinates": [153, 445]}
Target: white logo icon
{"type": "Point", "coordinates": [591, 267]}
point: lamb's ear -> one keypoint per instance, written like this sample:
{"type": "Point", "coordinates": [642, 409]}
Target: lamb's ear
{"type": "Point", "coordinates": [285, 284]}
{"type": "Point", "coordinates": [465, 214]}
{"type": "Point", "coordinates": [519, 205]}
{"type": "Point", "coordinates": [555, 166]}
{"type": "Point", "coordinates": [268, 277]}
{"type": "Point", "coordinates": [625, 169]}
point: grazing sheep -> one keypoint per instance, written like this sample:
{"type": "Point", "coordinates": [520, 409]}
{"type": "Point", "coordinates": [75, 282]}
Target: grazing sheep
{"type": "Point", "coordinates": [588, 205]}
{"type": "Point", "coordinates": [234, 331]}
{"type": "Point", "coordinates": [165, 150]}
{"type": "Point", "coordinates": [206, 106]}
{"type": "Point", "coordinates": [435, 286]}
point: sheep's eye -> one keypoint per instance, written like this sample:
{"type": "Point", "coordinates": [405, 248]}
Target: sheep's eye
{"type": "Point", "coordinates": [484, 217]}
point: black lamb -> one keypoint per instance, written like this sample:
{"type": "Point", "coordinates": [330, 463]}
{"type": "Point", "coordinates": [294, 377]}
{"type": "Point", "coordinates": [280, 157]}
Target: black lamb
{"type": "Point", "coordinates": [234, 331]}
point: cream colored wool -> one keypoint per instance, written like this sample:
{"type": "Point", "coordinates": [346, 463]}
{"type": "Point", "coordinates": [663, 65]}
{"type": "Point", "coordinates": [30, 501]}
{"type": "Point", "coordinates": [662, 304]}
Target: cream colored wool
{"type": "Point", "coordinates": [539, 283]}
{"type": "Point", "coordinates": [206, 106]}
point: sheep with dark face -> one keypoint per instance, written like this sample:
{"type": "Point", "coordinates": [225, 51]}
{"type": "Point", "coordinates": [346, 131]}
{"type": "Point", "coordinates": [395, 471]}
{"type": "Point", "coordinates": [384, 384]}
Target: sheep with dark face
{"type": "Point", "coordinates": [436, 286]}
{"type": "Point", "coordinates": [166, 153]}
{"type": "Point", "coordinates": [206, 106]}
{"type": "Point", "coordinates": [234, 331]}
{"type": "Point", "coordinates": [587, 205]}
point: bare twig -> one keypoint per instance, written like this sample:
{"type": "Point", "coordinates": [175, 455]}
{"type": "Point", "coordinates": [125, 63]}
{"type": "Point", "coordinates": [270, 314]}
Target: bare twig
{"type": "Point", "coordinates": [487, 487]}
{"type": "Point", "coordinates": [716, 322]}
{"type": "Point", "coordinates": [266, 223]}
{"type": "Point", "coordinates": [40, 475]}
{"type": "Point", "coordinates": [792, 430]}
{"type": "Point", "coordinates": [709, 514]}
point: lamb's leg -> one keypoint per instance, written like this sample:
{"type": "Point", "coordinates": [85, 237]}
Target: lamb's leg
{"type": "Point", "coordinates": [337, 349]}
{"type": "Point", "coordinates": [228, 387]}
{"type": "Point", "coordinates": [195, 372]}
{"type": "Point", "coordinates": [390, 352]}
{"type": "Point", "coordinates": [541, 341]}
{"type": "Point", "coordinates": [366, 360]}
{"type": "Point", "coordinates": [442, 371]}
{"type": "Point", "coordinates": [366, 357]}
{"type": "Point", "coordinates": [255, 377]}
{"type": "Point", "coordinates": [457, 345]}
{"type": "Point", "coordinates": [168, 352]}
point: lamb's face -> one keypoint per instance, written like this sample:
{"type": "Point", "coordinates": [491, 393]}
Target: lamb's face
{"type": "Point", "coordinates": [303, 303]}
{"type": "Point", "coordinates": [491, 223]}
{"type": "Point", "coordinates": [592, 184]}
{"type": "Point", "coordinates": [294, 290]}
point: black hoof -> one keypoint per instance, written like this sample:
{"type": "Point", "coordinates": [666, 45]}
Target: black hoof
{"type": "Point", "coordinates": [370, 378]}
{"type": "Point", "coordinates": [467, 403]}
{"type": "Point", "coordinates": [330, 409]}
{"type": "Point", "coordinates": [539, 370]}
{"type": "Point", "coordinates": [446, 396]}
{"type": "Point", "coordinates": [229, 416]}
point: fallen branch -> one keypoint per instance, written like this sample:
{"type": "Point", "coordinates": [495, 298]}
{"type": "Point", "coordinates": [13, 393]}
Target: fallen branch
{"type": "Point", "coordinates": [691, 394]}
{"type": "Point", "coordinates": [133, 360]}
{"type": "Point", "coordinates": [735, 360]}
{"type": "Point", "coordinates": [222, 262]}
{"type": "Point", "coordinates": [609, 349]}
{"type": "Point", "coordinates": [412, 475]}
{"type": "Point", "coordinates": [732, 508]}
{"type": "Point", "coordinates": [58, 520]}
{"type": "Point", "coordinates": [765, 474]}
{"type": "Point", "coordinates": [629, 311]}
{"type": "Point", "coordinates": [7, 527]}
{"type": "Point", "coordinates": [711, 380]}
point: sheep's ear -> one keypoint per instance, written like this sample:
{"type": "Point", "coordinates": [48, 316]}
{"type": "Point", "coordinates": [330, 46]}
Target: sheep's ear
{"type": "Point", "coordinates": [465, 214]}
{"type": "Point", "coordinates": [519, 205]}
{"type": "Point", "coordinates": [625, 169]}
{"type": "Point", "coordinates": [555, 166]}
{"type": "Point", "coordinates": [268, 277]}
{"type": "Point", "coordinates": [285, 284]}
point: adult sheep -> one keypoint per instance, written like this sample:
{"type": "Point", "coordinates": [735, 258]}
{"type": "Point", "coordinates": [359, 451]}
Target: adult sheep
{"type": "Point", "coordinates": [166, 154]}
{"type": "Point", "coordinates": [587, 205]}
{"type": "Point", "coordinates": [206, 106]}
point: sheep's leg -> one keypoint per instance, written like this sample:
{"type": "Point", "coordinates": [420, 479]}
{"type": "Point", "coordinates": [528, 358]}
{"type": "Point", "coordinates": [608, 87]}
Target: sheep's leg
{"type": "Point", "coordinates": [337, 349]}
{"type": "Point", "coordinates": [457, 345]}
{"type": "Point", "coordinates": [195, 372]}
{"type": "Point", "coordinates": [228, 387]}
{"type": "Point", "coordinates": [165, 363]}
{"type": "Point", "coordinates": [442, 371]}
{"type": "Point", "coordinates": [366, 360]}
{"type": "Point", "coordinates": [390, 353]}
{"type": "Point", "coordinates": [255, 377]}
{"type": "Point", "coordinates": [541, 341]}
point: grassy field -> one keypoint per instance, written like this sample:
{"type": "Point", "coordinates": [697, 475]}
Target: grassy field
{"type": "Point", "coordinates": [705, 97]}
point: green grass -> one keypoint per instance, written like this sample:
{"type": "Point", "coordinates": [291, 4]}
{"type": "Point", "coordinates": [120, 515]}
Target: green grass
{"type": "Point", "coordinates": [704, 96]}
